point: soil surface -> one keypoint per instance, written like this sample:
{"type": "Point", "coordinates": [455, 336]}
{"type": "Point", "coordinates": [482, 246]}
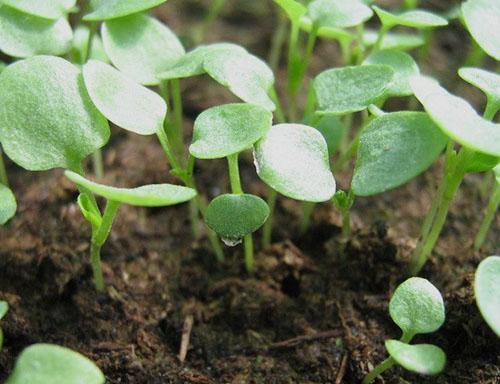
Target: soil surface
{"type": "Point", "coordinates": [315, 311]}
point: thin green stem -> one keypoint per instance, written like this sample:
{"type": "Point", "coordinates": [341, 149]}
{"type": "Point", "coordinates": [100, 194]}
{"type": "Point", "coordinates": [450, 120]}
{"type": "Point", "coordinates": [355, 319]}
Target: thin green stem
{"type": "Point", "coordinates": [491, 109]}
{"type": "Point", "coordinates": [267, 229]}
{"type": "Point", "coordinates": [278, 40]}
{"type": "Point", "coordinates": [3, 171]}
{"type": "Point", "coordinates": [475, 56]}
{"type": "Point", "coordinates": [98, 239]}
{"type": "Point", "coordinates": [360, 32]}
{"type": "Point", "coordinates": [378, 370]}
{"type": "Point", "coordinates": [280, 114]}
{"type": "Point", "coordinates": [307, 211]}
{"type": "Point", "coordinates": [380, 38]}
{"type": "Point", "coordinates": [98, 164]}
{"type": "Point", "coordinates": [248, 247]}
{"type": "Point", "coordinates": [294, 64]}
{"type": "Point", "coordinates": [490, 212]}
{"type": "Point", "coordinates": [348, 154]}
{"type": "Point", "coordinates": [423, 51]}
{"type": "Point", "coordinates": [212, 14]}
{"type": "Point", "coordinates": [178, 134]}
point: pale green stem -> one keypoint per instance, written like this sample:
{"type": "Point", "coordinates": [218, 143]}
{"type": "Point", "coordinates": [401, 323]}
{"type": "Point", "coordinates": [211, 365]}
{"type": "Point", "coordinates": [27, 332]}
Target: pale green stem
{"type": "Point", "coordinates": [360, 31]}
{"type": "Point", "coordinates": [423, 52]}
{"type": "Point", "coordinates": [3, 171]}
{"type": "Point", "coordinates": [98, 239]}
{"type": "Point", "coordinates": [475, 56]}
{"type": "Point", "coordinates": [98, 163]}
{"type": "Point", "coordinates": [491, 108]}
{"type": "Point", "coordinates": [348, 154]}
{"type": "Point", "coordinates": [280, 115]}
{"type": "Point", "coordinates": [490, 212]}
{"type": "Point", "coordinates": [307, 211]}
{"type": "Point", "coordinates": [212, 14]}
{"type": "Point", "coordinates": [267, 229]}
{"type": "Point", "coordinates": [278, 41]}
{"type": "Point", "coordinates": [234, 178]}
{"type": "Point", "coordinates": [178, 137]}
{"type": "Point", "coordinates": [380, 38]}
{"type": "Point", "coordinates": [293, 69]}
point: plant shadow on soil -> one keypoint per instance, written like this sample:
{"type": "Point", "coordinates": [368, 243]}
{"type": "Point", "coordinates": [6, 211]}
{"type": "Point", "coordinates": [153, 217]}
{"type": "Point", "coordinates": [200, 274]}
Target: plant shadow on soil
{"type": "Point", "coordinates": [315, 311]}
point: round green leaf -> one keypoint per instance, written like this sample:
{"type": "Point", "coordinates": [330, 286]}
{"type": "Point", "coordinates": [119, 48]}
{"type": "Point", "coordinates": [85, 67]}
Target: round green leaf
{"type": "Point", "coordinates": [394, 40]}
{"type": "Point", "coordinates": [338, 13]}
{"type": "Point", "coordinates": [341, 91]}
{"type": "Point", "coordinates": [426, 359]}
{"type": "Point", "coordinates": [153, 195]}
{"type": "Point", "coordinates": [417, 306]}
{"type": "Point", "coordinates": [4, 308]}
{"type": "Point", "coordinates": [456, 117]}
{"type": "Point", "coordinates": [228, 129]}
{"type": "Point", "coordinates": [8, 205]}
{"type": "Point", "coordinates": [141, 47]}
{"type": "Point", "coordinates": [191, 64]}
{"type": "Point", "coordinates": [487, 291]}
{"type": "Point", "coordinates": [486, 81]}
{"type": "Point", "coordinates": [292, 8]}
{"type": "Point", "coordinates": [48, 9]}
{"type": "Point", "coordinates": [393, 149]}
{"type": "Point", "coordinates": [234, 216]}
{"type": "Point", "coordinates": [80, 44]}
{"type": "Point", "coordinates": [245, 75]}
{"type": "Point", "coordinates": [47, 119]}
{"type": "Point", "coordinates": [415, 18]}
{"type": "Point", "coordinates": [112, 9]}
{"type": "Point", "coordinates": [403, 66]}
{"type": "Point", "coordinates": [23, 35]}
{"type": "Point", "coordinates": [124, 102]}
{"type": "Point", "coordinates": [47, 363]}
{"type": "Point", "coordinates": [482, 18]}
{"type": "Point", "coordinates": [293, 160]}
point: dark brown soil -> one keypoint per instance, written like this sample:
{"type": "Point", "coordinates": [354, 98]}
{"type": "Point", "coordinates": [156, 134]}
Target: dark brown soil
{"type": "Point", "coordinates": [314, 312]}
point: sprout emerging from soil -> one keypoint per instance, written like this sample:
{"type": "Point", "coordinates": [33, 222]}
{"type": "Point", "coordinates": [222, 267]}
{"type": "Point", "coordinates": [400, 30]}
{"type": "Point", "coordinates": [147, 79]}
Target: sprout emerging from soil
{"type": "Point", "coordinates": [416, 307]}
{"type": "Point", "coordinates": [487, 291]}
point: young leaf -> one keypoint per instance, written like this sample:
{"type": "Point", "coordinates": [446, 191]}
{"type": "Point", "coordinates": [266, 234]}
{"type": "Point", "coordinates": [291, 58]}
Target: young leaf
{"type": "Point", "coordinates": [415, 18]}
{"type": "Point", "coordinates": [341, 35]}
{"type": "Point", "coordinates": [80, 45]}
{"type": "Point", "coordinates": [112, 9]}
{"type": "Point", "coordinates": [482, 18]}
{"type": "Point", "coordinates": [141, 47]}
{"type": "Point", "coordinates": [124, 102]}
{"type": "Point", "coordinates": [426, 359]}
{"type": "Point", "coordinates": [4, 308]}
{"type": "Point", "coordinates": [394, 40]}
{"type": "Point", "coordinates": [341, 91]}
{"type": "Point", "coordinates": [228, 129]}
{"type": "Point", "coordinates": [47, 363]}
{"type": "Point", "coordinates": [393, 149]}
{"type": "Point", "coordinates": [89, 211]}
{"type": "Point", "coordinates": [404, 68]}
{"type": "Point", "coordinates": [456, 117]}
{"type": "Point", "coordinates": [8, 205]}
{"type": "Point", "coordinates": [417, 306]}
{"type": "Point", "coordinates": [487, 291]}
{"type": "Point", "coordinates": [338, 13]}
{"type": "Point", "coordinates": [293, 9]}
{"type": "Point", "coordinates": [488, 82]}
{"type": "Point", "coordinates": [191, 64]}
{"type": "Point", "coordinates": [245, 75]}
{"type": "Point", "coordinates": [234, 216]}
{"type": "Point", "coordinates": [293, 160]}
{"type": "Point", "coordinates": [47, 120]}
{"type": "Point", "coordinates": [47, 9]}
{"type": "Point", "coordinates": [333, 130]}
{"type": "Point", "coordinates": [23, 35]}
{"type": "Point", "coordinates": [154, 195]}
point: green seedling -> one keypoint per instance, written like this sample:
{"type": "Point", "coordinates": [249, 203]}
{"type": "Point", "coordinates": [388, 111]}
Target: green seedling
{"type": "Point", "coordinates": [482, 18]}
{"type": "Point", "coordinates": [156, 195]}
{"type": "Point", "coordinates": [489, 83]}
{"type": "Point", "coordinates": [47, 9]}
{"type": "Point", "coordinates": [80, 50]}
{"type": "Point", "coordinates": [480, 140]}
{"type": "Point", "coordinates": [8, 205]}
{"type": "Point", "coordinates": [24, 35]}
{"type": "Point", "coordinates": [48, 363]}
{"type": "Point", "coordinates": [490, 211]}
{"type": "Point", "coordinates": [224, 132]}
{"type": "Point", "coordinates": [487, 291]}
{"type": "Point", "coordinates": [416, 307]}
{"type": "Point", "coordinates": [4, 308]}
{"type": "Point", "coordinates": [112, 9]}
{"type": "Point", "coordinates": [343, 201]}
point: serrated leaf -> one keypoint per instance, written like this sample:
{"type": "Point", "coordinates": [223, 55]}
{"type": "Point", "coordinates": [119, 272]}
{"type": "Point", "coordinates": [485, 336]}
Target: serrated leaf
{"type": "Point", "coordinates": [487, 291]}
{"type": "Point", "coordinates": [426, 359]}
{"type": "Point", "coordinates": [23, 35]}
{"type": "Point", "coordinates": [414, 18]}
{"type": "Point", "coordinates": [48, 9]}
{"type": "Point", "coordinates": [417, 306]}
{"type": "Point", "coordinates": [393, 149]}
{"type": "Point", "coordinates": [404, 68]}
{"type": "Point", "coordinates": [456, 117]}
{"type": "Point", "coordinates": [228, 129]}
{"type": "Point", "coordinates": [486, 81]}
{"type": "Point", "coordinates": [245, 75]}
{"type": "Point", "coordinates": [80, 45]}
{"type": "Point", "coordinates": [394, 40]}
{"type": "Point", "coordinates": [153, 195]}
{"type": "Point", "coordinates": [292, 8]}
{"type": "Point", "coordinates": [48, 363]}
{"type": "Point", "coordinates": [482, 18]}
{"type": "Point", "coordinates": [234, 216]}
{"type": "Point", "coordinates": [112, 9]}
{"type": "Point", "coordinates": [338, 13]}
{"type": "Point", "coordinates": [40, 135]}
{"type": "Point", "coordinates": [341, 91]}
{"type": "Point", "coordinates": [8, 205]}
{"type": "Point", "coordinates": [141, 47]}
{"type": "Point", "coordinates": [124, 102]}
{"type": "Point", "coordinates": [293, 160]}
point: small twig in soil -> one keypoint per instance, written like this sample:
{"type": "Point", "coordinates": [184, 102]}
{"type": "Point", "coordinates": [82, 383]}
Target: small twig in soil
{"type": "Point", "coordinates": [186, 335]}
{"type": "Point", "coordinates": [342, 369]}
{"type": "Point", "coordinates": [305, 338]}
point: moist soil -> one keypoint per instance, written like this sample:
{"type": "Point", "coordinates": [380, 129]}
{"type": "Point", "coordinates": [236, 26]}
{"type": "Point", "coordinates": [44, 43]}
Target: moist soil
{"type": "Point", "coordinates": [315, 311]}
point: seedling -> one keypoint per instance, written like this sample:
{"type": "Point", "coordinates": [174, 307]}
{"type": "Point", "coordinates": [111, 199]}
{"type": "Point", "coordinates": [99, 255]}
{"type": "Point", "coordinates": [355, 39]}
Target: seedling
{"type": "Point", "coordinates": [8, 205]}
{"type": "Point", "coordinates": [481, 18]}
{"type": "Point", "coordinates": [4, 308]}
{"type": "Point", "coordinates": [224, 132]}
{"type": "Point", "coordinates": [156, 195]}
{"type": "Point", "coordinates": [487, 291]}
{"type": "Point", "coordinates": [416, 307]}
{"type": "Point", "coordinates": [48, 363]}
{"type": "Point", "coordinates": [343, 201]}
